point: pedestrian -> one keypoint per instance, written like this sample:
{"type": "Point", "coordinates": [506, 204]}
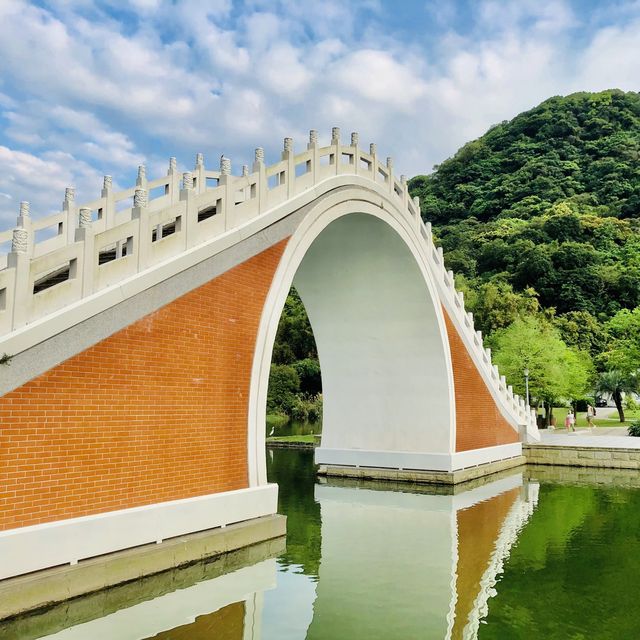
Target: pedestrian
{"type": "Point", "coordinates": [591, 412]}
{"type": "Point", "coordinates": [570, 421]}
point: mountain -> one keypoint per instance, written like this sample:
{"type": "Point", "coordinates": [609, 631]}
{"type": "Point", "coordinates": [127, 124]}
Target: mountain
{"type": "Point", "coordinates": [543, 213]}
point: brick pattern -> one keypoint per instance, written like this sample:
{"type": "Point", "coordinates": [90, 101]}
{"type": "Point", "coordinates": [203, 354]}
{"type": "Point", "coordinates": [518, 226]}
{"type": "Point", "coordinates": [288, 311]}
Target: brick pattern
{"type": "Point", "coordinates": [478, 530]}
{"type": "Point", "coordinates": [479, 422]}
{"type": "Point", "coordinates": [155, 412]}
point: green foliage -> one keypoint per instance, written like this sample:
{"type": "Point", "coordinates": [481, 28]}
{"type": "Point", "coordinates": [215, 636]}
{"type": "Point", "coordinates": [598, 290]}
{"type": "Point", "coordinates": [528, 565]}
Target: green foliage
{"type": "Point", "coordinates": [284, 384]}
{"type": "Point", "coordinates": [294, 339]}
{"type": "Point", "coordinates": [555, 370]}
{"type": "Point", "coordinates": [623, 336]}
{"type": "Point", "coordinates": [547, 203]}
{"type": "Point", "coordinates": [615, 383]}
{"type": "Point", "coordinates": [634, 429]}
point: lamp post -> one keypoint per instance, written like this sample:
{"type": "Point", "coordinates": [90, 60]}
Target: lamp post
{"type": "Point", "coordinates": [526, 383]}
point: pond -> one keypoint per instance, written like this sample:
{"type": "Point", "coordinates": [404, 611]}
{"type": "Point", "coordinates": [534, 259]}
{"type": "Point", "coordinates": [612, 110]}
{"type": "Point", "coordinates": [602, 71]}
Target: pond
{"type": "Point", "coordinates": [536, 553]}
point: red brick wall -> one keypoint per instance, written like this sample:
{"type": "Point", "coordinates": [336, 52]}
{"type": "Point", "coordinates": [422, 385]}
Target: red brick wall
{"type": "Point", "coordinates": [478, 530]}
{"type": "Point", "coordinates": [479, 422]}
{"type": "Point", "coordinates": [155, 412]}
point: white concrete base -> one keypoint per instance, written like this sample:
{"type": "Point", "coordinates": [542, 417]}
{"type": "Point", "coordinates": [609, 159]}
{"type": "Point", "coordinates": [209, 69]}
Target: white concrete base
{"type": "Point", "coordinates": [67, 541]}
{"type": "Point", "coordinates": [418, 461]}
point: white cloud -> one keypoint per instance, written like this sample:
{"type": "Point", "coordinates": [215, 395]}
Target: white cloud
{"type": "Point", "coordinates": [84, 95]}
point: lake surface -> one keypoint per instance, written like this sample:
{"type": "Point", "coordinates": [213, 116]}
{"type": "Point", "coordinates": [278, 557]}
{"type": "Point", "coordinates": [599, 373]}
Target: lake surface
{"type": "Point", "coordinates": [546, 553]}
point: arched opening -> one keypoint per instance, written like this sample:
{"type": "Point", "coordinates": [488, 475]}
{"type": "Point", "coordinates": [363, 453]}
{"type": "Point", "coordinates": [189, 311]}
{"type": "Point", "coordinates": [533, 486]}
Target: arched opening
{"type": "Point", "coordinates": [380, 335]}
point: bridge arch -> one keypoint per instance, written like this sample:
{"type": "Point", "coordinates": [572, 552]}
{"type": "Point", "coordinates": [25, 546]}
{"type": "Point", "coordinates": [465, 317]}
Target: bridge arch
{"type": "Point", "coordinates": [359, 267]}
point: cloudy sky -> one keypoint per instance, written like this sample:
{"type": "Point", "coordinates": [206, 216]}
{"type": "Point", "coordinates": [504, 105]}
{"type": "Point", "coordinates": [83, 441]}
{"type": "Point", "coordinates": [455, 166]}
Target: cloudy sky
{"type": "Point", "coordinates": [89, 87]}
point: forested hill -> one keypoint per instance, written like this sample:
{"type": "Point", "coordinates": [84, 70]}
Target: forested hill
{"type": "Point", "coordinates": [545, 210]}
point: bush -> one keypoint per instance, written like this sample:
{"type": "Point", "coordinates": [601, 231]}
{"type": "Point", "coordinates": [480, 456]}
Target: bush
{"type": "Point", "coordinates": [315, 409]}
{"type": "Point", "coordinates": [300, 410]}
{"type": "Point", "coordinates": [630, 402]}
{"type": "Point", "coordinates": [634, 429]}
{"type": "Point", "coordinates": [284, 383]}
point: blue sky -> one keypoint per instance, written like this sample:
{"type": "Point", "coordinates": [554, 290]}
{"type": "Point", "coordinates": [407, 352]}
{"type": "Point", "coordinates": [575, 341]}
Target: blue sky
{"type": "Point", "coordinates": [92, 87]}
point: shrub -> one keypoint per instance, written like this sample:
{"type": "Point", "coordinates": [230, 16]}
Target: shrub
{"type": "Point", "coordinates": [634, 429]}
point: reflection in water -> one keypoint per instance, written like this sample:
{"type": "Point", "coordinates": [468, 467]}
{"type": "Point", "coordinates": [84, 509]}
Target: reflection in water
{"type": "Point", "coordinates": [364, 560]}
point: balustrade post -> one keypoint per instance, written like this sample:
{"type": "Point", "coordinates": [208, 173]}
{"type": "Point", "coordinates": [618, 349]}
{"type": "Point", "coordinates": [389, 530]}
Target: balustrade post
{"type": "Point", "coordinates": [69, 209]}
{"type": "Point", "coordinates": [315, 154]}
{"type": "Point", "coordinates": [288, 155]}
{"type": "Point", "coordinates": [373, 152]}
{"type": "Point", "coordinates": [173, 187]}
{"type": "Point", "coordinates": [390, 177]}
{"type": "Point", "coordinates": [337, 153]}
{"type": "Point", "coordinates": [187, 194]}
{"type": "Point", "coordinates": [140, 213]}
{"type": "Point", "coordinates": [405, 194]}
{"type": "Point", "coordinates": [228, 204]}
{"type": "Point", "coordinates": [200, 178]}
{"type": "Point", "coordinates": [19, 259]}
{"type": "Point", "coordinates": [108, 203]}
{"type": "Point", "coordinates": [262, 194]}
{"type": "Point", "coordinates": [84, 234]}
{"type": "Point", "coordinates": [355, 145]}
{"type": "Point", "coordinates": [416, 205]}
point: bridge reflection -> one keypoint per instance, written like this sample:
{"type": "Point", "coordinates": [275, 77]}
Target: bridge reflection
{"type": "Point", "coordinates": [442, 552]}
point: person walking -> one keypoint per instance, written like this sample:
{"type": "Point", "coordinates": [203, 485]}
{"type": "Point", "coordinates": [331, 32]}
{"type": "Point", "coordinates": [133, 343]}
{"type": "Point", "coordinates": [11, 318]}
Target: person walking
{"type": "Point", "coordinates": [591, 412]}
{"type": "Point", "coordinates": [570, 421]}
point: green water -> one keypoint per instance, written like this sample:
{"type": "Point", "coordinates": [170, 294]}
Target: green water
{"type": "Point", "coordinates": [543, 553]}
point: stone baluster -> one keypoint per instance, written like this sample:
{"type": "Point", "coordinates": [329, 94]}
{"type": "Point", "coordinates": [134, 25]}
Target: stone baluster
{"type": "Point", "coordinates": [245, 170]}
{"type": "Point", "coordinates": [141, 180]}
{"type": "Point", "coordinates": [405, 193]}
{"type": "Point", "coordinates": [173, 186]}
{"type": "Point", "coordinates": [228, 203]}
{"type": "Point", "coordinates": [199, 177]}
{"type": "Point", "coordinates": [355, 146]}
{"type": "Point", "coordinates": [289, 157]}
{"type": "Point", "coordinates": [337, 152]}
{"type": "Point", "coordinates": [187, 195]}
{"type": "Point", "coordinates": [69, 209]}
{"type": "Point", "coordinates": [390, 178]}
{"type": "Point", "coordinates": [108, 203]}
{"type": "Point", "coordinates": [140, 213]}
{"type": "Point", "coordinates": [315, 155]}
{"type": "Point", "coordinates": [261, 185]}
{"type": "Point", "coordinates": [19, 260]}
{"type": "Point", "coordinates": [373, 152]}
{"type": "Point", "coordinates": [84, 234]}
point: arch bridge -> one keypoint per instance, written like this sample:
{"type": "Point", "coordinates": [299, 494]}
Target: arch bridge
{"type": "Point", "coordinates": [140, 328]}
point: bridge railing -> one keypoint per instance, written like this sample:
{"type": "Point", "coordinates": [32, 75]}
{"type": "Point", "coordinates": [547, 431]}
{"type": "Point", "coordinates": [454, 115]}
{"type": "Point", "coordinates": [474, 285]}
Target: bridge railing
{"type": "Point", "coordinates": [67, 256]}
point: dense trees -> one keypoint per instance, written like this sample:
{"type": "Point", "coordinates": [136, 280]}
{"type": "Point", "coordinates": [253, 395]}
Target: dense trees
{"type": "Point", "coordinates": [541, 217]}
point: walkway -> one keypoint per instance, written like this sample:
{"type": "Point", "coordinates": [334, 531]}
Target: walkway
{"type": "Point", "coordinates": [602, 438]}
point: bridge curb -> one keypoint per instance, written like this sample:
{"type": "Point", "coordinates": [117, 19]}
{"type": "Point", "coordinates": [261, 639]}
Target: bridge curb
{"type": "Point", "coordinates": [423, 477]}
{"type": "Point", "coordinates": [44, 589]}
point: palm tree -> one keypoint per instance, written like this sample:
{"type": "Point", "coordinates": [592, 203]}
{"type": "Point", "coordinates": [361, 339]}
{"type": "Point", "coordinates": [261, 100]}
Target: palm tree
{"type": "Point", "coordinates": [616, 383]}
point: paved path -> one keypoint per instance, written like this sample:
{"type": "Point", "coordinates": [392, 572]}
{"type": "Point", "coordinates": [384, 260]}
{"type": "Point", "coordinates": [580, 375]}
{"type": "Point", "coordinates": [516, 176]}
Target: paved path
{"type": "Point", "coordinates": [613, 437]}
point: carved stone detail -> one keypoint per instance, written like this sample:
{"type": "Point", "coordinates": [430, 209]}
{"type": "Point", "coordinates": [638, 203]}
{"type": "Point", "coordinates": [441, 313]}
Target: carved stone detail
{"type": "Point", "coordinates": [313, 137]}
{"type": "Point", "coordinates": [288, 145]}
{"type": "Point", "coordinates": [84, 218]}
{"type": "Point", "coordinates": [20, 240]}
{"type": "Point", "coordinates": [225, 166]}
{"type": "Point", "coordinates": [140, 198]}
{"type": "Point", "coordinates": [107, 182]}
{"type": "Point", "coordinates": [259, 154]}
{"type": "Point", "coordinates": [187, 180]}
{"type": "Point", "coordinates": [24, 209]}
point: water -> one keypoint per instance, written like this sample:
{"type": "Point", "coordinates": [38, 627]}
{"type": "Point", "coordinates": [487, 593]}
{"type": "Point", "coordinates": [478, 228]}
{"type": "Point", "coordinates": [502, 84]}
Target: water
{"type": "Point", "coordinates": [547, 553]}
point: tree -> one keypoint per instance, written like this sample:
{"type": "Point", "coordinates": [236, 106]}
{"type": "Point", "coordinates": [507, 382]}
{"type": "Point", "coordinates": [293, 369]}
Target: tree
{"type": "Point", "coordinates": [623, 336]}
{"type": "Point", "coordinates": [616, 383]}
{"type": "Point", "coordinates": [555, 370]}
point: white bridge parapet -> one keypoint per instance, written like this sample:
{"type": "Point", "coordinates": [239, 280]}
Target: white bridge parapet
{"type": "Point", "coordinates": [66, 257]}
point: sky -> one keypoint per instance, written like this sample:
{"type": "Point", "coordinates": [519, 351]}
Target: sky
{"type": "Point", "coordinates": [94, 87]}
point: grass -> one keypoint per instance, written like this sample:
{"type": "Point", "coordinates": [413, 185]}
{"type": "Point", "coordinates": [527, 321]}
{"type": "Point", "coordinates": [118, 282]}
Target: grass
{"type": "Point", "coordinates": [581, 418]}
{"type": "Point", "coordinates": [307, 438]}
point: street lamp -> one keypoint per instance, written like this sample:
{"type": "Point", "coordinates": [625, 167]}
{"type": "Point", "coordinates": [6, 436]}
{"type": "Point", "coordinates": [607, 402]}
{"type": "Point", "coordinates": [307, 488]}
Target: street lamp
{"type": "Point", "coordinates": [526, 383]}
